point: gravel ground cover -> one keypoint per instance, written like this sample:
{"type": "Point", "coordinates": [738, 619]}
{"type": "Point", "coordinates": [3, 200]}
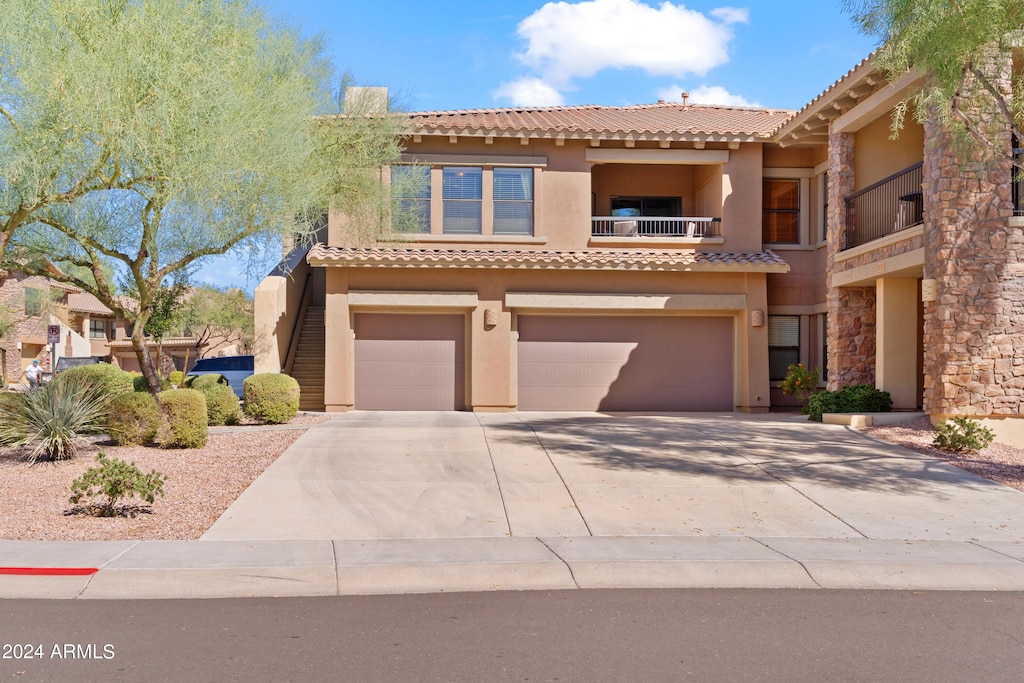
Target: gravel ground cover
{"type": "Point", "coordinates": [999, 462]}
{"type": "Point", "coordinates": [201, 484]}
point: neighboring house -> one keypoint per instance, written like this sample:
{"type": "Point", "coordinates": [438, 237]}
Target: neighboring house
{"type": "Point", "coordinates": [31, 304]}
{"type": "Point", "coordinates": [668, 257]}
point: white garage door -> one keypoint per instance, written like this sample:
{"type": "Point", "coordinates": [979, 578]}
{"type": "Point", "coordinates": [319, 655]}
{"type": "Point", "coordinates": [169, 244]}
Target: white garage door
{"type": "Point", "coordinates": [625, 363]}
{"type": "Point", "coordinates": [409, 362]}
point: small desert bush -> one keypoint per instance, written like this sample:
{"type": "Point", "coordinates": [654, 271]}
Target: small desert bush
{"type": "Point", "coordinates": [963, 435]}
{"type": "Point", "coordinates": [203, 381]}
{"type": "Point", "coordinates": [112, 380]}
{"type": "Point", "coordinates": [182, 419]}
{"type": "Point", "coordinates": [270, 397]}
{"type": "Point", "coordinates": [132, 419]}
{"type": "Point", "coordinates": [9, 400]}
{"type": "Point", "coordinates": [800, 382]}
{"type": "Point", "coordinates": [858, 398]}
{"type": "Point", "coordinates": [50, 420]}
{"type": "Point", "coordinates": [175, 377]}
{"type": "Point", "coordinates": [221, 404]}
{"type": "Point", "coordinates": [112, 481]}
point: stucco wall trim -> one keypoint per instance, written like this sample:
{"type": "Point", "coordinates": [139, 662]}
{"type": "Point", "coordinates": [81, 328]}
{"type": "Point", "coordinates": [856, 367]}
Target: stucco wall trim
{"type": "Point", "coordinates": [473, 239]}
{"type": "Point", "coordinates": [657, 156]}
{"type": "Point", "coordinates": [436, 300]}
{"type": "Point", "coordinates": [474, 160]}
{"type": "Point", "coordinates": [866, 275]}
{"type": "Point", "coordinates": [621, 303]}
{"type": "Point", "coordinates": [881, 243]}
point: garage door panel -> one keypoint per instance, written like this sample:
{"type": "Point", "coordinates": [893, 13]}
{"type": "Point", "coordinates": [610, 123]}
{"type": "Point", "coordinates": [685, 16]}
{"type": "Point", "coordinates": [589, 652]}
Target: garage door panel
{"type": "Point", "coordinates": [625, 363]}
{"type": "Point", "coordinates": [409, 362]}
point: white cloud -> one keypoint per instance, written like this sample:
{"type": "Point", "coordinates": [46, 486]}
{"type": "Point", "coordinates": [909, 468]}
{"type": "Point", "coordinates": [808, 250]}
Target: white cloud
{"type": "Point", "coordinates": [577, 40]}
{"type": "Point", "coordinates": [705, 94]}
{"type": "Point", "coordinates": [529, 92]}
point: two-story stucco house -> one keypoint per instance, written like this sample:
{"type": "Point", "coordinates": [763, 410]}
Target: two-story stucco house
{"type": "Point", "coordinates": [669, 257]}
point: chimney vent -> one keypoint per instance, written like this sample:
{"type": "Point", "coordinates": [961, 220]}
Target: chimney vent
{"type": "Point", "coordinates": [686, 96]}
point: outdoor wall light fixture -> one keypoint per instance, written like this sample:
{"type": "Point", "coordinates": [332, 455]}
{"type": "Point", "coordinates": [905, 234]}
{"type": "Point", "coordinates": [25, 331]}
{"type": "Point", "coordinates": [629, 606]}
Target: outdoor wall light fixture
{"type": "Point", "coordinates": [490, 318]}
{"type": "Point", "coordinates": [757, 318]}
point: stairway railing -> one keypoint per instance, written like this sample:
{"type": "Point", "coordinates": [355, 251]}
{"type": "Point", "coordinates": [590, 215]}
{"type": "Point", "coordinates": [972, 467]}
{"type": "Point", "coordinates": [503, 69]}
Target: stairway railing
{"type": "Point", "coordinates": [293, 341]}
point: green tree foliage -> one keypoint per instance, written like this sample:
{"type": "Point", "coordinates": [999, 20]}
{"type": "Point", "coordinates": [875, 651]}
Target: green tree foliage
{"type": "Point", "coordinates": [952, 42]}
{"type": "Point", "coordinates": [152, 134]}
{"type": "Point", "coordinates": [211, 314]}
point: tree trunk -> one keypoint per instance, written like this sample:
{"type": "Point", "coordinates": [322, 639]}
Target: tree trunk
{"type": "Point", "coordinates": [149, 370]}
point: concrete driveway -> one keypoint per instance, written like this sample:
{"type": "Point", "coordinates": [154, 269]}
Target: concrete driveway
{"type": "Point", "coordinates": [374, 475]}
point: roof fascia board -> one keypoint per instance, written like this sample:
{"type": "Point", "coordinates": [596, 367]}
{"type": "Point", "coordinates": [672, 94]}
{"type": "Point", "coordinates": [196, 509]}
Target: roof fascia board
{"type": "Point", "coordinates": [606, 155]}
{"type": "Point", "coordinates": [877, 104]}
{"type": "Point", "coordinates": [474, 159]}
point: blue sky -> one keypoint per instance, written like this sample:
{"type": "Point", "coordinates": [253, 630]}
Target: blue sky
{"type": "Point", "coordinates": [470, 54]}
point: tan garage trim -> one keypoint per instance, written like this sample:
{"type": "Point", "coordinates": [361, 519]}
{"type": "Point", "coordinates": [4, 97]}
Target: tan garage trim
{"type": "Point", "coordinates": [467, 300]}
{"type": "Point", "coordinates": [627, 302]}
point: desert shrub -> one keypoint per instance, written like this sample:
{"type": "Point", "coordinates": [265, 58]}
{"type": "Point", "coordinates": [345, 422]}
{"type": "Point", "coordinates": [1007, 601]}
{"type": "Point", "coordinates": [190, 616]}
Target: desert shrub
{"type": "Point", "coordinates": [114, 480]}
{"type": "Point", "coordinates": [9, 400]}
{"type": "Point", "coordinates": [50, 420]}
{"type": "Point", "coordinates": [800, 382]}
{"type": "Point", "coordinates": [139, 383]}
{"type": "Point", "coordinates": [182, 419]}
{"type": "Point", "coordinates": [203, 381]}
{"type": "Point", "coordinates": [270, 397]}
{"type": "Point", "coordinates": [858, 398]}
{"type": "Point", "coordinates": [132, 419]}
{"type": "Point", "coordinates": [112, 380]}
{"type": "Point", "coordinates": [221, 405]}
{"type": "Point", "coordinates": [963, 435]}
{"type": "Point", "coordinates": [175, 377]}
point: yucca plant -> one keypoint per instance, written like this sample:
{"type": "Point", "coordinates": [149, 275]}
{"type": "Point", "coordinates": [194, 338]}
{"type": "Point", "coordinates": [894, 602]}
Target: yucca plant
{"type": "Point", "coordinates": [50, 420]}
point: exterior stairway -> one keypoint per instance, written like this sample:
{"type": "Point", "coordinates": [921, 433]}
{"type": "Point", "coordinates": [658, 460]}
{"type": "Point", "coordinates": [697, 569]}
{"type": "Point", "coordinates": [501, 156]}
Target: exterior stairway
{"type": "Point", "coordinates": [308, 368]}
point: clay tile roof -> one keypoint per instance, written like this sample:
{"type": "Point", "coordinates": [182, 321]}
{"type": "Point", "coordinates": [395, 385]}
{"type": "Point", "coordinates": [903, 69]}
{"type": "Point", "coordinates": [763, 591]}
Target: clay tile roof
{"type": "Point", "coordinates": [175, 342]}
{"type": "Point", "coordinates": [83, 302]}
{"type": "Point", "coordinates": [597, 121]}
{"type": "Point", "coordinates": [396, 257]}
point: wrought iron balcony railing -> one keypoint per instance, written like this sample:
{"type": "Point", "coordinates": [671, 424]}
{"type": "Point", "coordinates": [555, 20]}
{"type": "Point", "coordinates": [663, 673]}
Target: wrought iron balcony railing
{"type": "Point", "coordinates": [890, 205]}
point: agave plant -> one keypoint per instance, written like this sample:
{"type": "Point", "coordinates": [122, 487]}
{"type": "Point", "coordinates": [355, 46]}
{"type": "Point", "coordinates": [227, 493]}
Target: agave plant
{"type": "Point", "coordinates": [50, 420]}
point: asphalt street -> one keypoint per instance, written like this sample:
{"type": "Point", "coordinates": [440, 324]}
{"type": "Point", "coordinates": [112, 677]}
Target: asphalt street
{"type": "Point", "coordinates": [596, 635]}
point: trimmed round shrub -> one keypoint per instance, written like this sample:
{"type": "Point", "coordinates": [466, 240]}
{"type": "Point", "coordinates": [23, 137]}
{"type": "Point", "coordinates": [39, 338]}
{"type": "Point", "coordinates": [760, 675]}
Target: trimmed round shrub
{"type": "Point", "coordinates": [139, 383]}
{"type": "Point", "coordinates": [270, 397]}
{"type": "Point", "coordinates": [858, 398]}
{"type": "Point", "coordinates": [132, 419]}
{"type": "Point", "coordinates": [182, 419]}
{"type": "Point", "coordinates": [204, 381]}
{"type": "Point", "coordinates": [175, 377]}
{"type": "Point", "coordinates": [221, 405]}
{"type": "Point", "coordinates": [112, 381]}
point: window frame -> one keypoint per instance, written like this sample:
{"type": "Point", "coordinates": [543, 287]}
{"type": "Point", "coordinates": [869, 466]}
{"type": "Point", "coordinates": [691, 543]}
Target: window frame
{"type": "Point", "coordinates": [421, 198]}
{"type": "Point", "coordinates": [527, 174]}
{"type": "Point", "coordinates": [35, 301]}
{"type": "Point", "coordinates": [461, 202]}
{"type": "Point", "coordinates": [767, 211]}
{"type": "Point", "coordinates": [100, 333]}
{"type": "Point", "coordinates": [792, 351]}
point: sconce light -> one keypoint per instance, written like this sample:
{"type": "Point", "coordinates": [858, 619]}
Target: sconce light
{"type": "Point", "coordinates": [490, 318]}
{"type": "Point", "coordinates": [757, 318]}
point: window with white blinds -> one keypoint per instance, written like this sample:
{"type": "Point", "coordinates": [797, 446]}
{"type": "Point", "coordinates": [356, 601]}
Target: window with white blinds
{"type": "Point", "coordinates": [410, 185]}
{"type": "Point", "coordinates": [513, 201]}
{"type": "Point", "coordinates": [783, 345]}
{"type": "Point", "coordinates": [462, 191]}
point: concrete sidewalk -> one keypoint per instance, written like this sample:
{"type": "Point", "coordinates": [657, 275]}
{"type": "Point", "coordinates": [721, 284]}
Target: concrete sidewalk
{"type": "Point", "coordinates": [421, 502]}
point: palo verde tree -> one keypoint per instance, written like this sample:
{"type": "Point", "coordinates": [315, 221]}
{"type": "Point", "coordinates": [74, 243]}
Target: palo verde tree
{"type": "Point", "coordinates": [953, 44]}
{"type": "Point", "coordinates": [152, 134]}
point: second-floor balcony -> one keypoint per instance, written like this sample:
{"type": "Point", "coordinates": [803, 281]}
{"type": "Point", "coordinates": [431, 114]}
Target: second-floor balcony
{"type": "Point", "coordinates": [655, 226]}
{"type": "Point", "coordinates": [884, 208]}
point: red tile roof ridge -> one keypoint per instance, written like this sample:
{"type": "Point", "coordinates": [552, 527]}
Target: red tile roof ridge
{"type": "Point", "coordinates": [571, 107]}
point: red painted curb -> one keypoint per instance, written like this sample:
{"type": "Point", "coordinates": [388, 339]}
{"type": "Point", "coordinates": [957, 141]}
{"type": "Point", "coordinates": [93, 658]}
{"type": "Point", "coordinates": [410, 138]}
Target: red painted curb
{"type": "Point", "coordinates": [49, 571]}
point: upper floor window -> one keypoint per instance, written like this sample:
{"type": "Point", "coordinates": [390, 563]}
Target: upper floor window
{"type": "Point", "coordinates": [34, 301]}
{"type": "Point", "coordinates": [513, 201]}
{"type": "Point", "coordinates": [97, 329]}
{"type": "Point", "coordinates": [411, 188]}
{"type": "Point", "coordinates": [780, 222]}
{"type": "Point", "coordinates": [462, 190]}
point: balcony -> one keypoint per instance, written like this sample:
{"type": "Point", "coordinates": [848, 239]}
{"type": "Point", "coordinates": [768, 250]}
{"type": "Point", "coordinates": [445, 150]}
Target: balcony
{"type": "Point", "coordinates": [655, 226]}
{"type": "Point", "coordinates": [887, 207]}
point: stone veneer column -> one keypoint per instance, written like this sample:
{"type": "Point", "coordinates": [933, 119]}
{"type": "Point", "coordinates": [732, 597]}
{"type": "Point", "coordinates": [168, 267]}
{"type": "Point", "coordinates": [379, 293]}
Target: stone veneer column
{"type": "Point", "coordinates": [974, 330]}
{"type": "Point", "coordinates": [851, 310]}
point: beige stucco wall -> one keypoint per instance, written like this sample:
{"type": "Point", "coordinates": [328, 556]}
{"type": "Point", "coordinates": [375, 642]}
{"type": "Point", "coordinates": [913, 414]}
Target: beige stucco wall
{"type": "Point", "coordinates": [878, 156]}
{"type": "Point", "coordinates": [491, 379]}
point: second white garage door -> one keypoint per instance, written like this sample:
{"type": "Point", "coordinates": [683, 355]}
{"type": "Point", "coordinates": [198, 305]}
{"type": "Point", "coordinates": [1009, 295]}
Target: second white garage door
{"type": "Point", "coordinates": [625, 363]}
{"type": "Point", "coordinates": [409, 362]}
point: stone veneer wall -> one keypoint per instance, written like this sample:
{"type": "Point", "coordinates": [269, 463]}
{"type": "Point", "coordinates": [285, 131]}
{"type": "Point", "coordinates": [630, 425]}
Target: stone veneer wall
{"type": "Point", "coordinates": [851, 310]}
{"type": "Point", "coordinates": [974, 330]}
